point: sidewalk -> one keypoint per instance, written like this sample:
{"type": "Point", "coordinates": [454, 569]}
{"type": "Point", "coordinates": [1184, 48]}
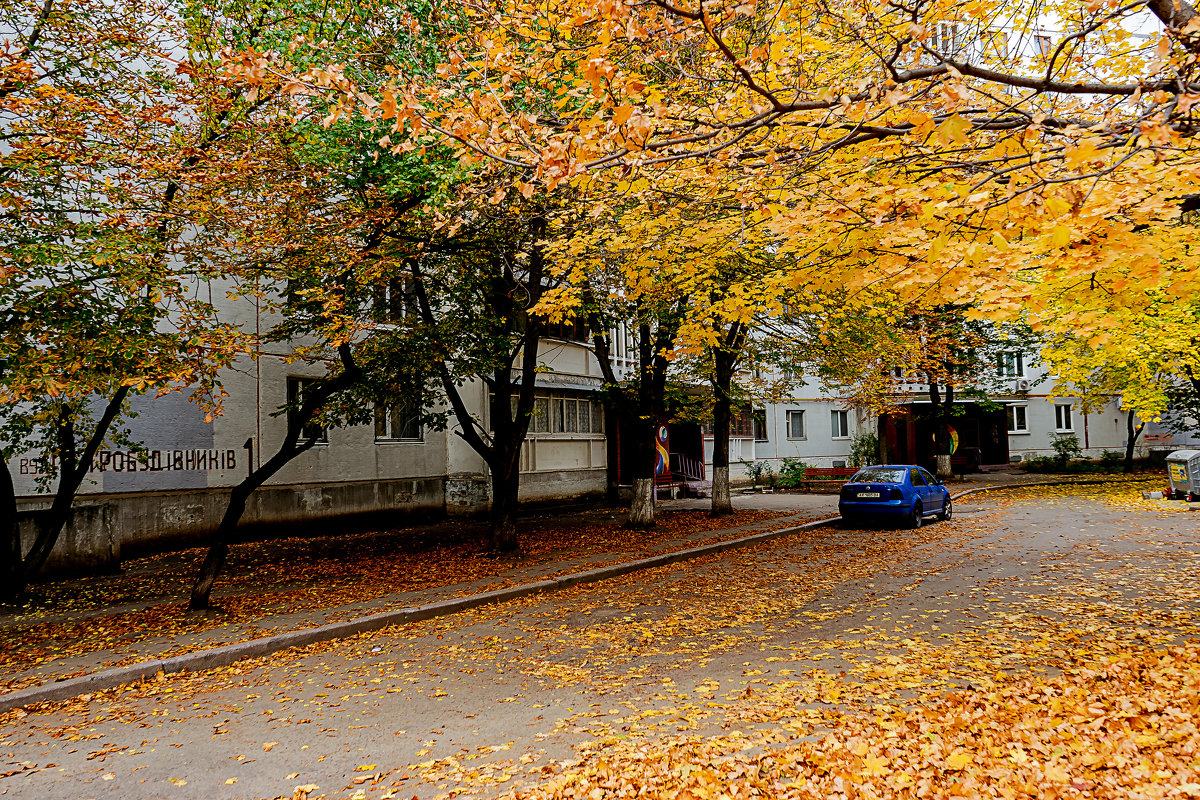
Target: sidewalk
{"type": "Point", "coordinates": [272, 587]}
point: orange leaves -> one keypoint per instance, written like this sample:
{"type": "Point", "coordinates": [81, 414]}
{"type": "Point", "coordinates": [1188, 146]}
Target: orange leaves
{"type": "Point", "coordinates": [320, 578]}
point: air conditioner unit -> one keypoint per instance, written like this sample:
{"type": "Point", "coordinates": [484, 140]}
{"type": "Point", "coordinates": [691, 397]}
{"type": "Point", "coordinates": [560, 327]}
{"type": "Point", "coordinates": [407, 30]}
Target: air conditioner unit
{"type": "Point", "coordinates": [1022, 384]}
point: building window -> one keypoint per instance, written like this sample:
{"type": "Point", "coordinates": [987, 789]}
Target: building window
{"type": "Point", "coordinates": [1016, 419]}
{"type": "Point", "coordinates": [795, 424]}
{"type": "Point", "coordinates": [999, 44]}
{"type": "Point", "coordinates": [540, 421]}
{"type": "Point", "coordinates": [841, 424]}
{"type": "Point", "coordinates": [742, 425]}
{"type": "Point", "coordinates": [561, 413]}
{"type": "Point", "coordinates": [1011, 364]}
{"type": "Point", "coordinates": [296, 387]}
{"type": "Point", "coordinates": [570, 330]}
{"type": "Point", "coordinates": [746, 423]}
{"type": "Point", "coordinates": [397, 424]}
{"type": "Point", "coordinates": [951, 39]}
{"type": "Point", "coordinates": [394, 300]}
{"type": "Point", "coordinates": [1062, 418]}
{"type": "Point", "coordinates": [1043, 45]}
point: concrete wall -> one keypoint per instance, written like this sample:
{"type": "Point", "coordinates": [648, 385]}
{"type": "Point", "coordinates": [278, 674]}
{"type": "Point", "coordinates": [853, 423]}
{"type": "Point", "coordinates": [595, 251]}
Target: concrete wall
{"type": "Point", "coordinates": [563, 485]}
{"type": "Point", "coordinates": [139, 523]}
{"type": "Point", "coordinates": [88, 545]}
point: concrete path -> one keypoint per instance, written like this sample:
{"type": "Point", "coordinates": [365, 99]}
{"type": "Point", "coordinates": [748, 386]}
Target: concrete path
{"type": "Point", "coordinates": [483, 700]}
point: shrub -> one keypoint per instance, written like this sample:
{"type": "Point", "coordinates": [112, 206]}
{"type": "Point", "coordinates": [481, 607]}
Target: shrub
{"type": "Point", "coordinates": [792, 473]}
{"type": "Point", "coordinates": [759, 470]}
{"type": "Point", "coordinates": [864, 450]}
{"type": "Point", "coordinates": [1066, 448]}
{"type": "Point", "coordinates": [1111, 460]}
{"type": "Point", "coordinates": [1039, 464]}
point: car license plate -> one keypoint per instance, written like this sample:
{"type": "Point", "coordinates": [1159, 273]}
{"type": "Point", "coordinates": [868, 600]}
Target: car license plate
{"type": "Point", "coordinates": [868, 495]}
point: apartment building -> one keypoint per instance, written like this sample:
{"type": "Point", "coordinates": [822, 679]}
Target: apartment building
{"type": "Point", "coordinates": [1024, 415]}
{"type": "Point", "coordinates": [172, 490]}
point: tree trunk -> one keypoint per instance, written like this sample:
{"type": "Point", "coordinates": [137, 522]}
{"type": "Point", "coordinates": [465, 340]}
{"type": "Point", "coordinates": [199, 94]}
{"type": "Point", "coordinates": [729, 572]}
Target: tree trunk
{"type": "Point", "coordinates": [641, 510]}
{"type": "Point", "coordinates": [503, 526]}
{"type": "Point", "coordinates": [73, 468]}
{"type": "Point", "coordinates": [12, 577]}
{"type": "Point", "coordinates": [218, 549]}
{"type": "Point", "coordinates": [1131, 440]}
{"type": "Point", "coordinates": [942, 403]}
{"type": "Point", "coordinates": [723, 366]}
{"type": "Point", "coordinates": [722, 503]}
{"type": "Point", "coordinates": [944, 470]}
{"type": "Point", "coordinates": [612, 451]}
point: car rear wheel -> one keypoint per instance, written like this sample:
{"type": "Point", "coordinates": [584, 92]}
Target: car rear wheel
{"type": "Point", "coordinates": [947, 510]}
{"type": "Point", "coordinates": [917, 516]}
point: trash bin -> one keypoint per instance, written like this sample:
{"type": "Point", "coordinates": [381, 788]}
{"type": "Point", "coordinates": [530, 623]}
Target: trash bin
{"type": "Point", "coordinates": [1183, 467]}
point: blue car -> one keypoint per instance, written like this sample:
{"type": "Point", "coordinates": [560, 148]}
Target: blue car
{"type": "Point", "coordinates": [894, 491]}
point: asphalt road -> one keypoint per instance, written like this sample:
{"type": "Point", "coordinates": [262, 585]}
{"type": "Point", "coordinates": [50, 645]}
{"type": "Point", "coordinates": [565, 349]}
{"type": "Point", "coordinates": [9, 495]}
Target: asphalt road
{"type": "Point", "coordinates": [486, 700]}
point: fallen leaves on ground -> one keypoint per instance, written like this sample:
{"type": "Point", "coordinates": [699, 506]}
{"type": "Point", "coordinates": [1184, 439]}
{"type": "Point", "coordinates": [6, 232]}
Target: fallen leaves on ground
{"type": "Point", "coordinates": [335, 577]}
{"type": "Point", "coordinates": [983, 657]}
{"type": "Point", "coordinates": [1124, 727]}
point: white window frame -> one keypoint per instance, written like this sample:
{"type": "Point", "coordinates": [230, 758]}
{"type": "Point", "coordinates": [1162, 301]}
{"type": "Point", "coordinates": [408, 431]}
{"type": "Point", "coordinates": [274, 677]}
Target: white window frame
{"type": "Point", "coordinates": [799, 412]}
{"type": "Point", "coordinates": [1062, 410]}
{"type": "Point", "coordinates": [389, 436]}
{"type": "Point", "coordinates": [394, 301]}
{"type": "Point", "coordinates": [1011, 364]}
{"type": "Point", "coordinates": [951, 38]}
{"type": "Point", "coordinates": [556, 414]}
{"type": "Point", "coordinates": [839, 419]}
{"type": "Point", "coordinates": [1012, 418]}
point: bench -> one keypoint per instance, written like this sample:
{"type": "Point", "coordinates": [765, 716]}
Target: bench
{"type": "Point", "coordinates": [825, 479]}
{"type": "Point", "coordinates": [829, 473]}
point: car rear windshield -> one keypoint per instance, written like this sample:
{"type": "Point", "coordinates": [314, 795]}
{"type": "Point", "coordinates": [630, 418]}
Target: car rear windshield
{"type": "Point", "coordinates": [877, 475]}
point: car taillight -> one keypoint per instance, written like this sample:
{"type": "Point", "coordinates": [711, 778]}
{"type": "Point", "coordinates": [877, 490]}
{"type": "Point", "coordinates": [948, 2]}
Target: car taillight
{"type": "Point", "coordinates": [897, 495]}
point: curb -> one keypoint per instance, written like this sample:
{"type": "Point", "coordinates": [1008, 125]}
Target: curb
{"type": "Point", "coordinates": [267, 645]}
{"type": "Point", "coordinates": [1003, 486]}
{"type": "Point", "coordinates": [256, 648]}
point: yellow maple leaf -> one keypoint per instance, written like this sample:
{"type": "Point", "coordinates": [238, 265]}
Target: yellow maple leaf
{"type": "Point", "coordinates": [959, 760]}
{"type": "Point", "coordinates": [874, 765]}
{"type": "Point", "coordinates": [954, 130]}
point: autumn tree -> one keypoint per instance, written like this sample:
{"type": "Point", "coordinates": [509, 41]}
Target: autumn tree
{"type": "Point", "coordinates": [477, 285]}
{"type": "Point", "coordinates": [1146, 359]}
{"type": "Point", "coordinates": [640, 398]}
{"type": "Point", "coordinates": [103, 134]}
{"type": "Point", "coordinates": [930, 141]}
{"type": "Point", "coordinates": [309, 226]}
